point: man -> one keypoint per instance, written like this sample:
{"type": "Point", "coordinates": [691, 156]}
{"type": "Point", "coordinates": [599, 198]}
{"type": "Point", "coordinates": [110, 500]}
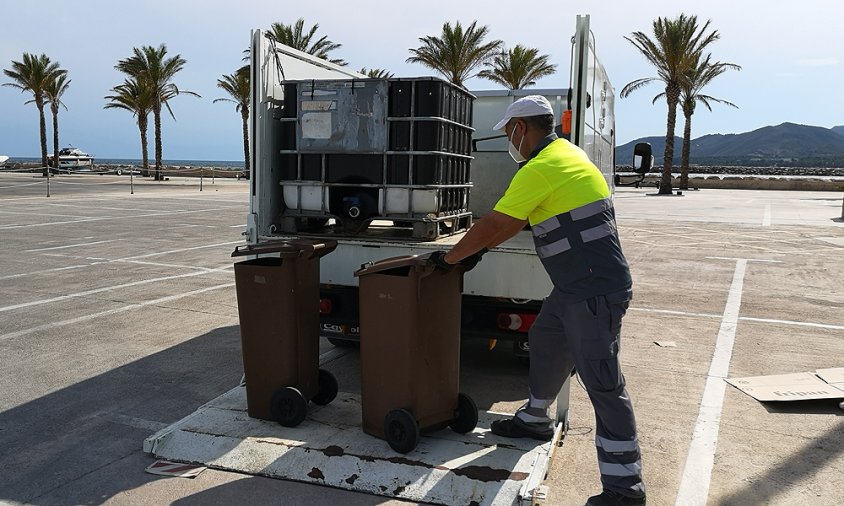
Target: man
{"type": "Point", "coordinates": [567, 202]}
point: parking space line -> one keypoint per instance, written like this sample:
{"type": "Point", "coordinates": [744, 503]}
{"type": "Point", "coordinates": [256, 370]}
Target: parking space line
{"type": "Point", "coordinates": [55, 269]}
{"type": "Point", "coordinates": [788, 322]}
{"type": "Point", "coordinates": [70, 246]}
{"type": "Point", "coordinates": [108, 218]}
{"type": "Point", "coordinates": [108, 289]}
{"type": "Point", "coordinates": [697, 473]}
{"type": "Point", "coordinates": [180, 250]}
{"type": "Point", "coordinates": [109, 312]}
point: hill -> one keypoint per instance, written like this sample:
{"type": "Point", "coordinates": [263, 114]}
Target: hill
{"type": "Point", "coordinates": [785, 144]}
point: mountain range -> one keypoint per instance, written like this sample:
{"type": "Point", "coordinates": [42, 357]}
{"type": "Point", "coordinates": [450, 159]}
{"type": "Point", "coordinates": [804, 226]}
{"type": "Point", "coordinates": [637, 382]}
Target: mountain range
{"type": "Point", "coordinates": [787, 144]}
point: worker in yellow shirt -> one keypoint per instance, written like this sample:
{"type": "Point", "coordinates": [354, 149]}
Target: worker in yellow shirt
{"type": "Point", "coordinates": [567, 202]}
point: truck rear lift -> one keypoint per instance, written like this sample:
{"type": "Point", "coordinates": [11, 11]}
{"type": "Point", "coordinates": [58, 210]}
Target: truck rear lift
{"type": "Point", "coordinates": [329, 448]}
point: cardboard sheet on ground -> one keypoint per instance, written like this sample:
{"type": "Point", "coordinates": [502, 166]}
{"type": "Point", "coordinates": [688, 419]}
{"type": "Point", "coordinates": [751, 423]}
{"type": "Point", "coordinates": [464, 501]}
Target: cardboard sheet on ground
{"type": "Point", "coordinates": [821, 384]}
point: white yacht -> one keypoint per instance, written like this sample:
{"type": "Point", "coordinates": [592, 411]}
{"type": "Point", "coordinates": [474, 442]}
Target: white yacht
{"type": "Point", "coordinates": [3, 160]}
{"type": "Point", "coordinates": [72, 159]}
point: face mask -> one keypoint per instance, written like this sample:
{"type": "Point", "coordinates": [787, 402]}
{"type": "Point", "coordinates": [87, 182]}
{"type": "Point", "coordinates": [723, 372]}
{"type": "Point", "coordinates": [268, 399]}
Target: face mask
{"type": "Point", "coordinates": [516, 153]}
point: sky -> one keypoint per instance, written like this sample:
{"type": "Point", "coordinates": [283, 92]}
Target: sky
{"type": "Point", "coordinates": [791, 53]}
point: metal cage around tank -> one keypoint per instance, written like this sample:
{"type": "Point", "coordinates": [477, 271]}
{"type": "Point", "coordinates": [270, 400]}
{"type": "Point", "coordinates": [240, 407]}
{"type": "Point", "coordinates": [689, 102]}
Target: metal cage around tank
{"type": "Point", "coordinates": [359, 150]}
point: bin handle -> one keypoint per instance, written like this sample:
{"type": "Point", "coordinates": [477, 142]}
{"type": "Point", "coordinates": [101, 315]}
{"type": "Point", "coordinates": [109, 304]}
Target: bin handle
{"type": "Point", "coordinates": [289, 249]}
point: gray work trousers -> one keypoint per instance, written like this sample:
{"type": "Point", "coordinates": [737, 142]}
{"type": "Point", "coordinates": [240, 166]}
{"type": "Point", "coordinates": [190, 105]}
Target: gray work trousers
{"type": "Point", "coordinates": [585, 336]}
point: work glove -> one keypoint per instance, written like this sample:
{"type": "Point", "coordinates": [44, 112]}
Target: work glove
{"type": "Point", "coordinates": [471, 261]}
{"type": "Point", "coordinates": [437, 259]}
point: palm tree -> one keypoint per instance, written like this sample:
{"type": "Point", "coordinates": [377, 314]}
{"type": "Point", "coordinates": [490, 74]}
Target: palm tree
{"type": "Point", "coordinates": [53, 93]}
{"type": "Point", "coordinates": [138, 98]}
{"type": "Point", "coordinates": [518, 68]}
{"type": "Point", "coordinates": [32, 75]}
{"type": "Point", "coordinates": [294, 36]}
{"type": "Point", "coordinates": [237, 86]}
{"type": "Point", "coordinates": [456, 53]}
{"type": "Point", "coordinates": [676, 45]}
{"type": "Point", "coordinates": [701, 74]}
{"type": "Point", "coordinates": [376, 73]}
{"type": "Point", "coordinates": [152, 67]}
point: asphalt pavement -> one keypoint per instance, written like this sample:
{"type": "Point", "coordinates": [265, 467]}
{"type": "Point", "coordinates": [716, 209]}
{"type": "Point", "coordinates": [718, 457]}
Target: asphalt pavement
{"type": "Point", "coordinates": [118, 317]}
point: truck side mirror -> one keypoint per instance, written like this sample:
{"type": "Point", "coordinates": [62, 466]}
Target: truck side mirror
{"type": "Point", "coordinates": [642, 158]}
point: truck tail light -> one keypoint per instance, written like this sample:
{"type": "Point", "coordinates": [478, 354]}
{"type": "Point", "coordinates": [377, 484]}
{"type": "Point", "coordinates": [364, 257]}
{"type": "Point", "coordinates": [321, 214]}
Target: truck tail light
{"type": "Point", "coordinates": [325, 306]}
{"type": "Point", "coordinates": [517, 322]}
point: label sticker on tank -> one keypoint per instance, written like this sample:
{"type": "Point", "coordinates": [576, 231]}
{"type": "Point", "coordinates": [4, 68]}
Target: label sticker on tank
{"type": "Point", "coordinates": [261, 280]}
{"type": "Point", "coordinates": [316, 125]}
{"type": "Point", "coordinates": [319, 105]}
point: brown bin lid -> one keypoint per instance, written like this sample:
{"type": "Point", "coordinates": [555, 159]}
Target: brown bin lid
{"type": "Point", "coordinates": [418, 262]}
{"type": "Point", "coordinates": [292, 248]}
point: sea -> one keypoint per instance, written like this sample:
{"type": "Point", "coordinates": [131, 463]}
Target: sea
{"type": "Point", "coordinates": [227, 164]}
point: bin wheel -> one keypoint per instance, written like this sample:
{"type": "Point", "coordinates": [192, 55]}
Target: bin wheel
{"type": "Point", "coordinates": [288, 406]}
{"type": "Point", "coordinates": [466, 416]}
{"type": "Point", "coordinates": [327, 388]}
{"type": "Point", "coordinates": [401, 430]}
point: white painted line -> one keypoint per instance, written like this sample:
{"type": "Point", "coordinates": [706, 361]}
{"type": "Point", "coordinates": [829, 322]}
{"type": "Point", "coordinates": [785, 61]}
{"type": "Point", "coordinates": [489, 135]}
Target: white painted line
{"type": "Point", "coordinates": [107, 289]}
{"type": "Point", "coordinates": [108, 218]}
{"type": "Point", "coordinates": [697, 473]}
{"type": "Point", "coordinates": [766, 219]}
{"type": "Point", "coordinates": [747, 259]}
{"type": "Point", "coordinates": [69, 267]}
{"type": "Point", "coordinates": [174, 266]}
{"type": "Point", "coordinates": [675, 313]}
{"type": "Point", "coordinates": [180, 250]}
{"type": "Point", "coordinates": [71, 246]}
{"type": "Point", "coordinates": [123, 309]}
{"type": "Point", "coordinates": [788, 322]}
{"type": "Point", "coordinates": [237, 226]}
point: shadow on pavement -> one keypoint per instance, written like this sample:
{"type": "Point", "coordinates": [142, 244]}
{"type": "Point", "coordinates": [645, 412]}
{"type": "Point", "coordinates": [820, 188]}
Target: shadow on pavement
{"type": "Point", "coordinates": [53, 441]}
{"type": "Point", "coordinates": [794, 468]}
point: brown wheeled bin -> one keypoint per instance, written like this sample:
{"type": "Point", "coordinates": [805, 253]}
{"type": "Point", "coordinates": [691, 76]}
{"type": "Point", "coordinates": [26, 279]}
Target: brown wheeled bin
{"type": "Point", "coordinates": [410, 351]}
{"type": "Point", "coordinates": [278, 304]}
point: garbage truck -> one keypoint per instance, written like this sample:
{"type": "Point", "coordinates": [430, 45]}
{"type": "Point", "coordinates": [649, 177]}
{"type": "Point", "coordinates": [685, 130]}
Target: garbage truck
{"type": "Point", "coordinates": [401, 166]}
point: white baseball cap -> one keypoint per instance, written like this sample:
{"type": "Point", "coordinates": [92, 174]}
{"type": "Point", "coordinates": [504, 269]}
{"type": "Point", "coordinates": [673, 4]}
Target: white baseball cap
{"type": "Point", "coordinates": [531, 105]}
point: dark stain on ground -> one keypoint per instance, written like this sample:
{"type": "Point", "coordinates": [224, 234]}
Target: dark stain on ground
{"type": "Point", "coordinates": [333, 451]}
{"type": "Point", "coordinates": [408, 462]}
{"type": "Point", "coordinates": [316, 474]}
{"type": "Point", "coordinates": [352, 479]}
{"type": "Point", "coordinates": [474, 503]}
{"type": "Point", "coordinates": [487, 474]}
{"type": "Point", "coordinates": [398, 490]}
{"type": "Point", "coordinates": [383, 488]}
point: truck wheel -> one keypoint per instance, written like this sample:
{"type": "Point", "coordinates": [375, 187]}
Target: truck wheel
{"type": "Point", "coordinates": [327, 389]}
{"type": "Point", "coordinates": [466, 416]}
{"type": "Point", "coordinates": [288, 406]}
{"type": "Point", "coordinates": [119, 172]}
{"type": "Point", "coordinates": [401, 430]}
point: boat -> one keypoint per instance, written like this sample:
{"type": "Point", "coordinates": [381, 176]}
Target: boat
{"type": "Point", "coordinates": [3, 160]}
{"type": "Point", "coordinates": [72, 159]}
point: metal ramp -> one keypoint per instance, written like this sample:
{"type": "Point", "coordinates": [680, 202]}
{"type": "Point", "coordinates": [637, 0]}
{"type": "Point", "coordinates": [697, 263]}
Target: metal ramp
{"type": "Point", "coordinates": [329, 448]}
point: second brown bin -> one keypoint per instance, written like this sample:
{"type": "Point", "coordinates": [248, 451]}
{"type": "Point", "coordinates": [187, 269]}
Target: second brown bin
{"type": "Point", "coordinates": [410, 351]}
{"type": "Point", "coordinates": [278, 305]}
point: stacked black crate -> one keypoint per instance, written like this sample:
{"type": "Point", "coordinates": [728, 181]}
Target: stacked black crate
{"type": "Point", "coordinates": [430, 140]}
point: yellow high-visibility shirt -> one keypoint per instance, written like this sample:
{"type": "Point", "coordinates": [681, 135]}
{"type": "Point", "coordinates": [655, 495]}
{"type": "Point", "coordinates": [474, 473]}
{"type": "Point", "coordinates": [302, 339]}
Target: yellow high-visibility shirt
{"type": "Point", "coordinates": [558, 179]}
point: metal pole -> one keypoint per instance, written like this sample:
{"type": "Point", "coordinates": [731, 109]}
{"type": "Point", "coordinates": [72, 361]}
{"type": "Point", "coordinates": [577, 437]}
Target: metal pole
{"type": "Point", "coordinates": [48, 175]}
{"type": "Point", "coordinates": [212, 175]}
{"type": "Point", "coordinates": [201, 170]}
{"type": "Point", "coordinates": [131, 180]}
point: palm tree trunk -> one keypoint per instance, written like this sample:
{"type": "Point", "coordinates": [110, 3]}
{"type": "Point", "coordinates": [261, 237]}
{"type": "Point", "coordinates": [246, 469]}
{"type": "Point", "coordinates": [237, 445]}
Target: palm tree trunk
{"type": "Point", "coordinates": [245, 116]}
{"type": "Point", "coordinates": [672, 97]}
{"type": "Point", "coordinates": [687, 141]}
{"type": "Point", "coordinates": [55, 111]}
{"type": "Point", "coordinates": [42, 124]}
{"type": "Point", "coordinates": [157, 120]}
{"type": "Point", "coordinates": [142, 126]}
